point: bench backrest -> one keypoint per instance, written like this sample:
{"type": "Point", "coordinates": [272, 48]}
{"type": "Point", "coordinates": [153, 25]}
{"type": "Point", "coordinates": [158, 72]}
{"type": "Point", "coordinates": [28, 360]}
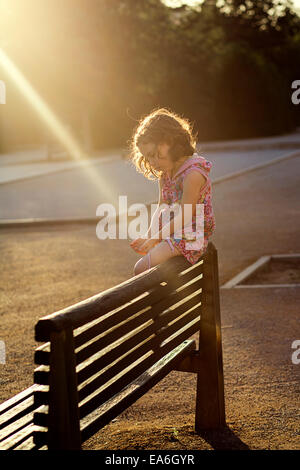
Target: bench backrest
{"type": "Point", "coordinates": [99, 347]}
{"type": "Point", "coordinates": [16, 421]}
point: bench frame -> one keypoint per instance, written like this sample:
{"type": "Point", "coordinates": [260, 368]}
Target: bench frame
{"type": "Point", "coordinates": [60, 429]}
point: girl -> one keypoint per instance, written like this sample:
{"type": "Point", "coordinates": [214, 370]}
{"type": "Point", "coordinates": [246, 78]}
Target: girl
{"type": "Point", "coordinates": [163, 146]}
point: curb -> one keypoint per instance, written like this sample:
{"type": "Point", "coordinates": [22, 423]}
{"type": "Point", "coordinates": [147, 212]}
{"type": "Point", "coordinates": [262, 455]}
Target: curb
{"type": "Point", "coordinates": [36, 222]}
{"type": "Point", "coordinates": [236, 281]}
{"type": "Point", "coordinates": [8, 223]}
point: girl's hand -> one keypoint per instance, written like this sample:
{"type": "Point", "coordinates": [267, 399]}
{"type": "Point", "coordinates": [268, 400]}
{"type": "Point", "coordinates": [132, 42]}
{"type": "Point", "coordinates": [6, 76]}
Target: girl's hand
{"type": "Point", "coordinates": [135, 244]}
{"type": "Point", "coordinates": [143, 245]}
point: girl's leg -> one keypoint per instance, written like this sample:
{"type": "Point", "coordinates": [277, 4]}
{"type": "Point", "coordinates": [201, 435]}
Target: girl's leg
{"type": "Point", "coordinates": [155, 256]}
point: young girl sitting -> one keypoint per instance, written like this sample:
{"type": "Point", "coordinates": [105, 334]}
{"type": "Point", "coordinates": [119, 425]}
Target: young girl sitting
{"type": "Point", "coordinates": [164, 148]}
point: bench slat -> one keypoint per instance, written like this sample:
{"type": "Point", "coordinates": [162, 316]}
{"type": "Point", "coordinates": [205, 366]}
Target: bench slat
{"type": "Point", "coordinates": [129, 394]}
{"type": "Point", "coordinates": [92, 367]}
{"type": "Point", "coordinates": [16, 419]}
{"type": "Point", "coordinates": [134, 391]}
{"type": "Point", "coordinates": [155, 295]}
{"type": "Point", "coordinates": [99, 398]}
{"type": "Point", "coordinates": [6, 405]}
{"type": "Point", "coordinates": [114, 318]}
{"type": "Point", "coordinates": [16, 423]}
{"type": "Point", "coordinates": [41, 398]}
{"type": "Point", "coordinates": [92, 308]}
{"type": "Point", "coordinates": [40, 417]}
{"type": "Point", "coordinates": [16, 412]}
{"type": "Point", "coordinates": [42, 354]}
{"type": "Point", "coordinates": [41, 375]}
{"type": "Point", "coordinates": [123, 329]}
{"type": "Point", "coordinates": [21, 439]}
{"type": "Point", "coordinates": [112, 335]}
{"type": "Point", "coordinates": [29, 444]}
{"type": "Point", "coordinates": [40, 437]}
{"type": "Point", "coordinates": [132, 356]}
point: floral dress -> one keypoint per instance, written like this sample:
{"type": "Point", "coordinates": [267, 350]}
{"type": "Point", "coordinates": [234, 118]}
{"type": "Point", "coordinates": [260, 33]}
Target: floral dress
{"type": "Point", "coordinates": [192, 240]}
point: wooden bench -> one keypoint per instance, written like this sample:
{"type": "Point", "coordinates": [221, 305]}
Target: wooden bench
{"type": "Point", "coordinates": [105, 352]}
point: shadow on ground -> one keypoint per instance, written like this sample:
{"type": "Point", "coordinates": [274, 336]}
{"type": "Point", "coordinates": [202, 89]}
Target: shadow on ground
{"type": "Point", "coordinates": [223, 439]}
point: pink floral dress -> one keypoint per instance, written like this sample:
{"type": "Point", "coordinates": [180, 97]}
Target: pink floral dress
{"type": "Point", "coordinates": [189, 244]}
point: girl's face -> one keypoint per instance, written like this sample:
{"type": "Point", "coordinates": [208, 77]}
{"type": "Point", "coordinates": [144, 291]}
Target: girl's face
{"type": "Point", "coordinates": [157, 156]}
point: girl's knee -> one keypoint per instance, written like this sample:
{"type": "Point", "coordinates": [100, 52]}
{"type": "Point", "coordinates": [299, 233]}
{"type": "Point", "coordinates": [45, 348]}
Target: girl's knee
{"type": "Point", "coordinates": [142, 264]}
{"type": "Point", "coordinates": [162, 252]}
{"type": "Point", "coordinates": [136, 269]}
{"type": "Point", "coordinates": [155, 256]}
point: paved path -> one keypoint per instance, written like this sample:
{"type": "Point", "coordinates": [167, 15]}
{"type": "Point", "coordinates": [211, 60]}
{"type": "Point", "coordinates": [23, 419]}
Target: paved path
{"type": "Point", "coordinates": [65, 189]}
{"type": "Point", "coordinates": [42, 155]}
{"type": "Point", "coordinates": [77, 192]}
{"type": "Point", "coordinates": [30, 163]}
{"type": "Point", "coordinates": [22, 169]}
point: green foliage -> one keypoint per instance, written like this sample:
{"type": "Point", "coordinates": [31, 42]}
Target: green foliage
{"type": "Point", "coordinates": [227, 68]}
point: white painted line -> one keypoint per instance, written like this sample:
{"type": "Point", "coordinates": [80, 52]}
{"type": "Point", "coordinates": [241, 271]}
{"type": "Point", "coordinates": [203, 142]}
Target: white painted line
{"type": "Point", "coordinates": [233, 283]}
{"type": "Point", "coordinates": [246, 272]}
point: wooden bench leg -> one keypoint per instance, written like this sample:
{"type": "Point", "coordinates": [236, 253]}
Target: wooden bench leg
{"type": "Point", "coordinates": [63, 426]}
{"type": "Point", "coordinates": [210, 403]}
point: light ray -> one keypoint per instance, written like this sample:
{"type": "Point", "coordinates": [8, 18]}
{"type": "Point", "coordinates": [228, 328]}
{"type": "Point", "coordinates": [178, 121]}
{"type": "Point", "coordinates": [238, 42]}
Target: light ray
{"type": "Point", "coordinates": [56, 126]}
{"type": "Point", "coordinates": [42, 108]}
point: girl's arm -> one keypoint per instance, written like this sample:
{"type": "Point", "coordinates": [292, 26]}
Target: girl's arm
{"type": "Point", "coordinates": [155, 217]}
{"type": "Point", "coordinates": [138, 242]}
{"type": "Point", "coordinates": [192, 185]}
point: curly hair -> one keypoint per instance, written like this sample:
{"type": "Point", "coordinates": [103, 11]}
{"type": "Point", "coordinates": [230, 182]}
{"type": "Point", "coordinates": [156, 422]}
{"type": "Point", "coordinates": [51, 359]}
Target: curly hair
{"type": "Point", "coordinates": [161, 126]}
